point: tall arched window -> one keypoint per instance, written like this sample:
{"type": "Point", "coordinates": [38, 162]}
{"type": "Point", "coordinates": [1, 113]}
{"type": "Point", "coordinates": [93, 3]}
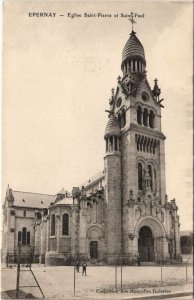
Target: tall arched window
{"type": "Point", "coordinates": [111, 143]}
{"type": "Point", "coordinates": [151, 119]}
{"type": "Point", "coordinates": [23, 235]}
{"type": "Point", "coordinates": [65, 228]}
{"type": "Point", "coordinates": [140, 177]}
{"type": "Point", "coordinates": [28, 238]}
{"type": "Point", "coordinates": [151, 176]}
{"type": "Point", "coordinates": [19, 237]}
{"type": "Point", "coordinates": [52, 224]}
{"type": "Point", "coordinates": [123, 118]}
{"type": "Point", "coordinates": [106, 145]}
{"type": "Point", "coordinates": [139, 114]}
{"type": "Point", "coordinates": [145, 117]}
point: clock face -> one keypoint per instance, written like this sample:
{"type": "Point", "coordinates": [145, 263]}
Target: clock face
{"type": "Point", "coordinates": [119, 101]}
{"type": "Point", "coordinates": [145, 97]}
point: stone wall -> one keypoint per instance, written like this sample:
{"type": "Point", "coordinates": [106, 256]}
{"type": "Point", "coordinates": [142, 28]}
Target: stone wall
{"type": "Point", "coordinates": [113, 201]}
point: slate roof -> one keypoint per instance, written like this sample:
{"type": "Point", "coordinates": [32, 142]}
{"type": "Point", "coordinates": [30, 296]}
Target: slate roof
{"type": "Point", "coordinates": [100, 175]}
{"type": "Point", "coordinates": [34, 200]}
{"type": "Point", "coordinates": [67, 201]}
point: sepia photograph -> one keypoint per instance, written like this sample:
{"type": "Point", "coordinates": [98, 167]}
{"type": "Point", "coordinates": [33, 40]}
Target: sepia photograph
{"type": "Point", "coordinates": [97, 129]}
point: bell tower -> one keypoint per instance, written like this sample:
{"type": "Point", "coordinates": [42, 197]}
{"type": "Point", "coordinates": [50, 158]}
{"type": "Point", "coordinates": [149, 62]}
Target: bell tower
{"type": "Point", "coordinates": [144, 206]}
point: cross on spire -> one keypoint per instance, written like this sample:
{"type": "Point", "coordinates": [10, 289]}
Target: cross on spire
{"type": "Point", "coordinates": [131, 19]}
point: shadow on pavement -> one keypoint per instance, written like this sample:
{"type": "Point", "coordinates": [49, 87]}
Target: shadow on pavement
{"type": "Point", "coordinates": [11, 294]}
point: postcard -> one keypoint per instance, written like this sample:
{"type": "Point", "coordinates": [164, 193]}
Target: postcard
{"type": "Point", "coordinates": [97, 150]}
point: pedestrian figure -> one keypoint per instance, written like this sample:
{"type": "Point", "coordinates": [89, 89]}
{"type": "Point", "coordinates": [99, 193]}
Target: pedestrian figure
{"type": "Point", "coordinates": [77, 264]}
{"type": "Point", "coordinates": [135, 260]}
{"type": "Point", "coordinates": [138, 260]}
{"type": "Point", "coordinates": [84, 268]}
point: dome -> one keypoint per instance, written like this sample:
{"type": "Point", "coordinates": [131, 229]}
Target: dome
{"type": "Point", "coordinates": [112, 127]}
{"type": "Point", "coordinates": [133, 48]}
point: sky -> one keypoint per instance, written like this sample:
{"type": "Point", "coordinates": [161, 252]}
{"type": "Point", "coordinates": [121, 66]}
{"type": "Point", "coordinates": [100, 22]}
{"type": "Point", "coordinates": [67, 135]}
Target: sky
{"type": "Point", "coordinates": [58, 73]}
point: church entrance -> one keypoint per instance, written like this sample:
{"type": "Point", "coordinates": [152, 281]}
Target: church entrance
{"type": "Point", "coordinates": [93, 249]}
{"type": "Point", "coordinates": [146, 244]}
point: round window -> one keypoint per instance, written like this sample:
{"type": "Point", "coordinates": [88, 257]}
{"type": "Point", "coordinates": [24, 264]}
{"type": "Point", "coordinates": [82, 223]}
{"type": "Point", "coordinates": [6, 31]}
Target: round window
{"type": "Point", "coordinates": [145, 96]}
{"type": "Point", "coordinates": [119, 101]}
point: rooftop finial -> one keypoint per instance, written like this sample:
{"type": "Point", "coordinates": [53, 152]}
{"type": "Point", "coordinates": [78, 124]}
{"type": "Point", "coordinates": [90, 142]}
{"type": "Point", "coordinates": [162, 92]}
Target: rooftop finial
{"type": "Point", "coordinates": [131, 19]}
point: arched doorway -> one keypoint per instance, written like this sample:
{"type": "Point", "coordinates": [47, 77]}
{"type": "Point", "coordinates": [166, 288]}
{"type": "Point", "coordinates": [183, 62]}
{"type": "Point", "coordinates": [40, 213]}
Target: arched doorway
{"type": "Point", "coordinates": [93, 249]}
{"type": "Point", "coordinates": [146, 244]}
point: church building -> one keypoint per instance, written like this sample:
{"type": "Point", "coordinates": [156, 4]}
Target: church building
{"type": "Point", "coordinates": [121, 212]}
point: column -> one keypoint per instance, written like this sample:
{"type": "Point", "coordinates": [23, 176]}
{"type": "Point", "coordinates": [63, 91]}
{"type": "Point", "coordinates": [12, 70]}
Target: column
{"type": "Point", "coordinates": [128, 67]}
{"type": "Point", "coordinates": [141, 117]}
{"type": "Point", "coordinates": [108, 145]}
{"type": "Point", "coordinates": [58, 231]}
{"type": "Point", "coordinates": [118, 144]}
{"type": "Point", "coordinates": [139, 66]}
{"type": "Point", "coordinates": [113, 138]}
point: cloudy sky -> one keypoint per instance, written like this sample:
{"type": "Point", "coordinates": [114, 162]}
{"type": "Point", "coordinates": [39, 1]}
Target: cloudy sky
{"type": "Point", "coordinates": [57, 77]}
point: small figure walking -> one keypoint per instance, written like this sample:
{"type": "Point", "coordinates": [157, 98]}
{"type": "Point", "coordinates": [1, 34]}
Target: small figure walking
{"type": "Point", "coordinates": [84, 268]}
{"type": "Point", "coordinates": [77, 264]}
{"type": "Point", "coordinates": [135, 260]}
{"type": "Point", "coordinates": [138, 260]}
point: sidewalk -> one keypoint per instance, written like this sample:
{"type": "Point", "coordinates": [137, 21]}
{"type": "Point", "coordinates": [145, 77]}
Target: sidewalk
{"type": "Point", "coordinates": [171, 292]}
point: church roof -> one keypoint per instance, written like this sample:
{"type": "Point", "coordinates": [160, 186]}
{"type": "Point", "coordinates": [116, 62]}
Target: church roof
{"type": "Point", "coordinates": [112, 127]}
{"type": "Point", "coordinates": [92, 180]}
{"type": "Point", "coordinates": [133, 48]}
{"type": "Point", "coordinates": [67, 201]}
{"type": "Point", "coordinates": [33, 200]}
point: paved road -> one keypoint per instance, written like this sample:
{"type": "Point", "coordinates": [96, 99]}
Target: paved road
{"type": "Point", "coordinates": [57, 282]}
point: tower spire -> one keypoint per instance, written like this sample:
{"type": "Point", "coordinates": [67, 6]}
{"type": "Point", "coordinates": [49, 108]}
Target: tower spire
{"type": "Point", "coordinates": [131, 19]}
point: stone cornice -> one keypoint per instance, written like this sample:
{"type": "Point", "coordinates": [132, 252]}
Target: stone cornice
{"type": "Point", "coordinates": [144, 130]}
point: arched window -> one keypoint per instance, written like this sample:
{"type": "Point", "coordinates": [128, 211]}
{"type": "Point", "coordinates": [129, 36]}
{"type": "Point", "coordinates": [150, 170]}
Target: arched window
{"type": "Point", "coordinates": [151, 119]}
{"type": "Point", "coordinates": [52, 224]}
{"type": "Point", "coordinates": [151, 176]}
{"type": "Point", "coordinates": [133, 65]}
{"type": "Point", "coordinates": [24, 236]}
{"type": "Point", "coordinates": [19, 237]}
{"type": "Point", "coordinates": [28, 238]}
{"type": "Point", "coordinates": [123, 119]}
{"type": "Point", "coordinates": [140, 177]}
{"type": "Point", "coordinates": [111, 143]}
{"type": "Point", "coordinates": [106, 145]}
{"type": "Point", "coordinates": [65, 229]}
{"type": "Point", "coordinates": [145, 117]}
{"type": "Point", "coordinates": [139, 114]}
{"type": "Point", "coordinates": [116, 144]}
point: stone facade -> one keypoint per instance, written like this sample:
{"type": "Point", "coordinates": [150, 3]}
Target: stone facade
{"type": "Point", "coordinates": [123, 211]}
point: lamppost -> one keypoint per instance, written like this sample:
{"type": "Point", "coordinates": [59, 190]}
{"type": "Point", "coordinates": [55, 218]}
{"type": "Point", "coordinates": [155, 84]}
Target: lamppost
{"type": "Point", "coordinates": [161, 254]}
